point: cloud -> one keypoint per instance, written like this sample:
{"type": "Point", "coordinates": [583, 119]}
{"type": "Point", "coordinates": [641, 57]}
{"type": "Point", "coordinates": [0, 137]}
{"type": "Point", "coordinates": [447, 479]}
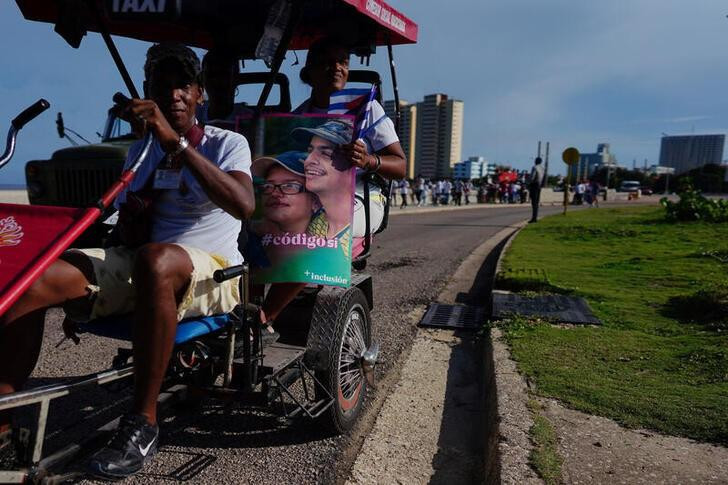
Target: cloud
{"type": "Point", "coordinates": [570, 70]}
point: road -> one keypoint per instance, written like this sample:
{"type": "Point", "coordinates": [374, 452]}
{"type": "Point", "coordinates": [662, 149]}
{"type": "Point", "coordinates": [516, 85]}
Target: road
{"type": "Point", "coordinates": [221, 443]}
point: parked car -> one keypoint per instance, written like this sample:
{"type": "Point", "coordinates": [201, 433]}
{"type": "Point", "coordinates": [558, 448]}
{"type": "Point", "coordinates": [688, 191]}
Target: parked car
{"type": "Point", "coordinates": [629, 186]}
{"type": "Point", "coordinates": [646, 190]}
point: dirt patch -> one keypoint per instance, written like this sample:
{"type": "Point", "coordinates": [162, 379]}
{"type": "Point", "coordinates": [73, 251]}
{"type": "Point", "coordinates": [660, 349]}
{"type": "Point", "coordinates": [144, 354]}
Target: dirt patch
{"type": "Point", "coordinates": [399, 263]}
{"type": "Point", "coordinates": [598, 450]}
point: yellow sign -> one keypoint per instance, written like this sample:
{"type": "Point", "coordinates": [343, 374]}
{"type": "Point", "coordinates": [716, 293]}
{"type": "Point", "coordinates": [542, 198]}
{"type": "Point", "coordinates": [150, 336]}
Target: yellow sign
{"type": "Point", "coordinates": [570, 156]}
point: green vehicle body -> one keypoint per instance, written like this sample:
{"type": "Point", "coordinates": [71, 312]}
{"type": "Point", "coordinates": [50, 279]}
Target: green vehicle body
{"type": "Point", "coordinates": [77, 176]}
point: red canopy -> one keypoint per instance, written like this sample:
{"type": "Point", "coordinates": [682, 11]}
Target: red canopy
{"type": "Point", "coordinates": [233, 23]}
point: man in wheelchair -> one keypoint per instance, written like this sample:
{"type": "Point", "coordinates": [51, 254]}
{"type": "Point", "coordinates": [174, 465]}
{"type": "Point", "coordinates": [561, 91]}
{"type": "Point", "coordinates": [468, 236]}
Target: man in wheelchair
{"type": "Point", "coordinates": [195, 188]}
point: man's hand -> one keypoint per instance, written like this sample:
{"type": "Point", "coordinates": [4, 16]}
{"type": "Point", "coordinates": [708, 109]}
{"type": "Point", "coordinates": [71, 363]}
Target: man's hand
{"type": "Point", "coordinates": [356, 153]}
{"type": "Point", "coordinates": [143, 115]}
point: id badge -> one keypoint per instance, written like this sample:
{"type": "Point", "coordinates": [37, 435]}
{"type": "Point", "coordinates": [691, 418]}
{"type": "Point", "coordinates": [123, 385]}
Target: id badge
{"type": "Point", "coordinates": [167, 179]}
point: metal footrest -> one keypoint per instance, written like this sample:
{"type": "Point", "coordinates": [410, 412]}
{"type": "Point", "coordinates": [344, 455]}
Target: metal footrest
{"type": "Point", "coordinates": [278, 356]}
{"type": "Point", "coordinates": [309, 405]}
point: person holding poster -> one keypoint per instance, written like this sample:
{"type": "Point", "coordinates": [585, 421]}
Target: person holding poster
{"type": "Point", "coordinates": [376, 149]}
{"type": "Point", "coordinates": [327, 71]}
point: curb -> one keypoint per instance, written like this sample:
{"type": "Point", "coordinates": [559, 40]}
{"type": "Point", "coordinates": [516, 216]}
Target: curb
{"type": "Point", "coordinates": [506, 246]}
{"type": "Point", "coordinates": [514, 418]}
{"type": "Point", "coordinates": [393, 211]}
{"type": "Point", "coordinates": [412, 438]}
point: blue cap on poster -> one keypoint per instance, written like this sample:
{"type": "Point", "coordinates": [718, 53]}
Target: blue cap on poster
{"type": "Point", "coordinates": [291, 161]}
{"type": "Point", "coordinates": [337, 131]}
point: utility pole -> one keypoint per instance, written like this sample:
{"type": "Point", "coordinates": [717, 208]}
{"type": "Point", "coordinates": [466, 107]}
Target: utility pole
{"type": "Point", "coordinates": [538, 154]}
{"type": "Point", "coordinates": [546, 167]}
{"type": "Point", "coordinates": [667, 183]}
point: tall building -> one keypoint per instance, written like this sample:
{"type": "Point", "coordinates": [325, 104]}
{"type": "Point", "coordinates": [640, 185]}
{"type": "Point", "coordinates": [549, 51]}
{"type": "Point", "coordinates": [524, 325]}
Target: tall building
{"type": "Point", "coordinates": [686, 152]}
{"type": "Point", "coordinates": [406, 131]}
{"type": "Point", "coordinates": [472, 168]}
{"type": "Point", "coordinates": [439, 135]}
{"type": "Point", "coordinates": [591, 162]}
{"type": "Point", "coordinates": [431, 134]}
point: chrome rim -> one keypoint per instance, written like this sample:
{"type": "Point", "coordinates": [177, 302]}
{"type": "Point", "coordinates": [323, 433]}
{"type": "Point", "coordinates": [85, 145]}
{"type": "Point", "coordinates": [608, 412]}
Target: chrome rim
{"type": "Point", "coordinates": [353, 346]}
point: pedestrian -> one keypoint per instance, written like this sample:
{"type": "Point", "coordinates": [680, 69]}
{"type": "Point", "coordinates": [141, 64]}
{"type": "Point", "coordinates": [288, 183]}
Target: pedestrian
{"type": "Point", "coordinates": [458, 192]}
{"type": "Point", "coordinates": [481, 196]}
{"type": "Point", "coordinates": [534, 187]}
{"type": "Point", "coordinates": [579, 193]}
{"type": "Point", "coordinates": [595, 189]}
{"type": "Point", "coordinates": [588, 193]}
{"type": "Point", "coordinates": [403, 192]}
{"type": "Point", "coordinates": [422, 189]}
{"type": "Point", "coordinates": [446, 190]}
{"type": "Point", "coordinates": [515, 190]}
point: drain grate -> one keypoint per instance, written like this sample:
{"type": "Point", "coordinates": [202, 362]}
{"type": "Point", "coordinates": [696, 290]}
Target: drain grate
{"type": "Point", "coordinates": [560, 308]}
{"type": "Point", "coordinates": [455, 317]}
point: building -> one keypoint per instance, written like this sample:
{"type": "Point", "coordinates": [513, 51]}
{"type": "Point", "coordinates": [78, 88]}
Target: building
{"type": "Point", "coordinates": [472, 168]}
{"type": "Point", "coordinates": [432, 129]}
{"type": "Point", "coordinates": [591, 162]}
{"type": "Point", "coordinates": [406, 131]}
{"type": "Point", "coordinates": [687, 152]}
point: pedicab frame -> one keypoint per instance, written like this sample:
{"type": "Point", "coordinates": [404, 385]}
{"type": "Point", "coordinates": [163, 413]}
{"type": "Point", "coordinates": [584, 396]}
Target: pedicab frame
{"type": "Point", "coordinates": [206, 348]}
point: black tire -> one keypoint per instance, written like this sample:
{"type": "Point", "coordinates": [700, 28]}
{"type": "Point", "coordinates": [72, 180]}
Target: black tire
{"type": "Point", "coordinates": [342, 376]}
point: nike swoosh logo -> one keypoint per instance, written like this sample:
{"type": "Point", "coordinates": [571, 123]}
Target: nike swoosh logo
{"type": "Point", "coordinates": [144, 450]}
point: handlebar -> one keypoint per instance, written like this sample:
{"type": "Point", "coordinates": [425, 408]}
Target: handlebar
{"type": "Point", "coordinates": [17, 124]}
{"type": "Point", "coordinates": [120, 99]}
{"type": "Point", "coordinates": [29, 113]}
{"type": "Point", "coordinates": [228, 273]}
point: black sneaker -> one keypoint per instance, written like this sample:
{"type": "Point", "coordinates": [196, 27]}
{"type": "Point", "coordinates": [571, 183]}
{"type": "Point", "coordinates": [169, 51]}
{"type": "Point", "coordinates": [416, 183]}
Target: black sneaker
{"type": "Point", "coordinates": [132, 445]}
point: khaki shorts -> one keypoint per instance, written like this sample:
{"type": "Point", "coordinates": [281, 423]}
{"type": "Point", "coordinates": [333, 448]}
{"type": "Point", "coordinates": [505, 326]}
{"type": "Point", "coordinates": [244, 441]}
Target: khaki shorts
{"type": "Point", "coordinates": [114, 294]}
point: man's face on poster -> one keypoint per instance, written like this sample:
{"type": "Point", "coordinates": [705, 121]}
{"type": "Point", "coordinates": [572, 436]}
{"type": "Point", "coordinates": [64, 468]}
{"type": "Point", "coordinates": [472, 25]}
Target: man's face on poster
{"type": "Point", "coordinates": [326, 169]}
{"type": "Point", "coordinates": [284, 198]}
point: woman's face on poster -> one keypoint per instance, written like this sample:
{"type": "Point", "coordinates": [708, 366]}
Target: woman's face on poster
{"type": "Point", "coordinates": [286, 209]}
{"type": "Point", "coordinates": [325, 167]}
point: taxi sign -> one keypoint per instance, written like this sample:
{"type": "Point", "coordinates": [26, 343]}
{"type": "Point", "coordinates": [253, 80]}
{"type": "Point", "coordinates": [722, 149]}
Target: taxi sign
{"type": "Point", "coordinates": [570, 156]}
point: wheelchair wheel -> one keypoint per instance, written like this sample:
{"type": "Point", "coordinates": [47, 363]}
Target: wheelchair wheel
{"type": "Point", "coordinates": [343, 375]}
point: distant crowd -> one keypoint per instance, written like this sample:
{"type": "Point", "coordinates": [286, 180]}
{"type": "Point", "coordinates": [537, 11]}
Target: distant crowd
{"type": "Point", "coordinates": [586, 192]}
{"type": "Point", "coordinates": [420, 192]}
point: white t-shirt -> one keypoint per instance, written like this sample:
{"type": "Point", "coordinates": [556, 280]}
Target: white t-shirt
{"type": "Point", "coordinates": [380, 135]}
{"type": "Point", "coordinates": [404, 187]}
{"type": "Point", "coordinates": [191, 218]}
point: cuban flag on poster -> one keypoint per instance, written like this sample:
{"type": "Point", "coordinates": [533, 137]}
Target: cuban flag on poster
{"type": "Point", "coordinates": [357, 102]}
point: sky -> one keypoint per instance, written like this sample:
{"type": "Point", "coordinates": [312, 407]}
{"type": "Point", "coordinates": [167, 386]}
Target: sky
{"type": "Point", "coordinates": [571, 72]}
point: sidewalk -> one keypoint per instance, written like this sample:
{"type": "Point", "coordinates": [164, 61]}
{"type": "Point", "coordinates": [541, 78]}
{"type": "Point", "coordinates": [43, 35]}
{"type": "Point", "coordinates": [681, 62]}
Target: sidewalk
{"type": "Point", "coordinates": [439, 423]}
{"type": "Point", "coordinates": [410, 209]}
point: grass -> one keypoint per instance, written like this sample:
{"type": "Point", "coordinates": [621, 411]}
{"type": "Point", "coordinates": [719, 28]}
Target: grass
{"type": "Point", "coordinates": [660, 360]}
{"type": "Point", "coordinates": [544, 457]}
